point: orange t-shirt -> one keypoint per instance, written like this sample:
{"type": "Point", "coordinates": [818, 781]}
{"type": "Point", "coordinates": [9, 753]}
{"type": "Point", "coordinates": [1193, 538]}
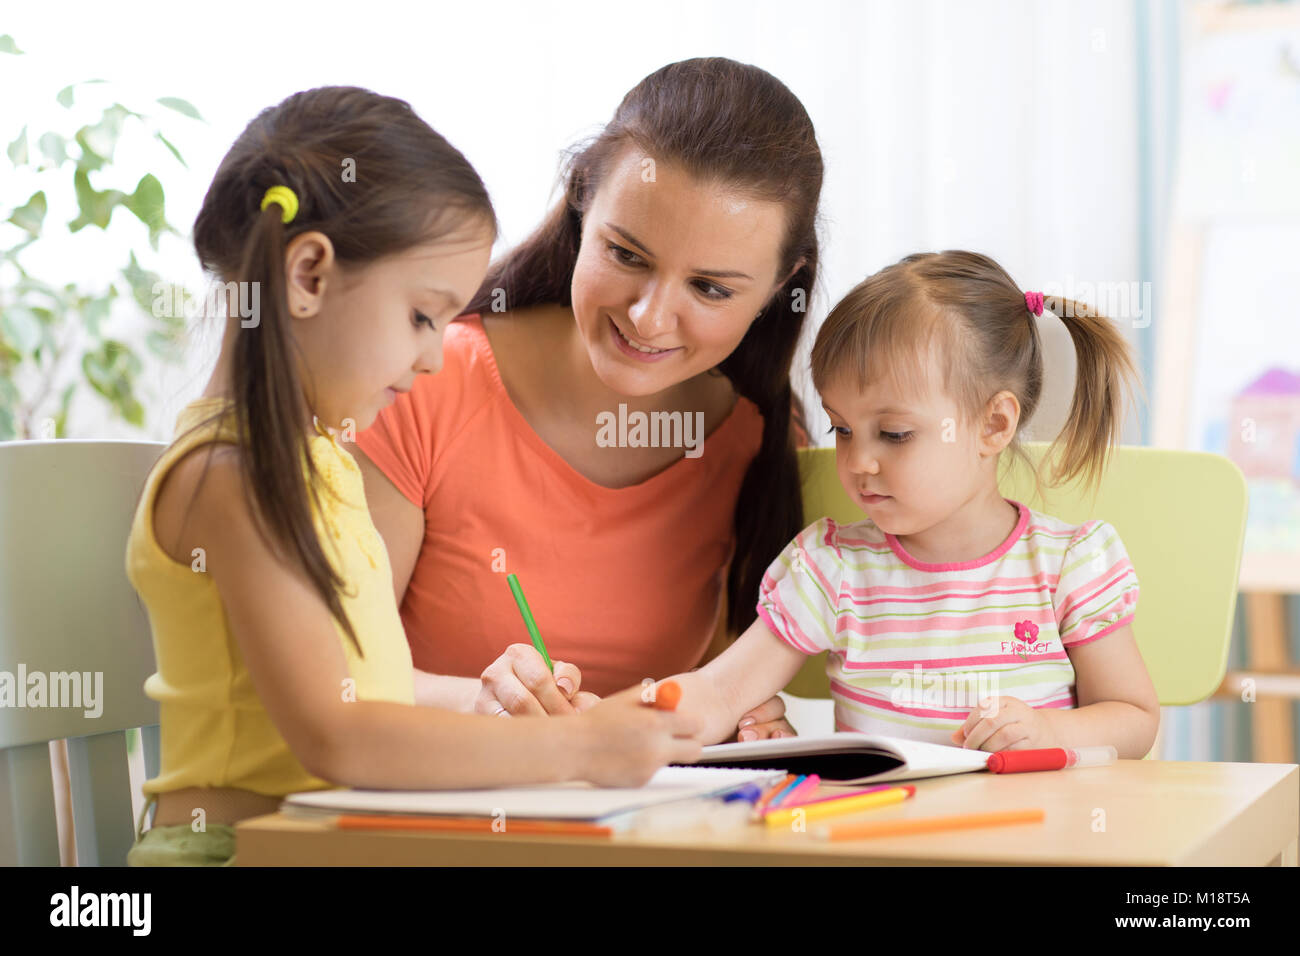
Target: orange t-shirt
{"type": "Point", "coordinates": [626, 583]}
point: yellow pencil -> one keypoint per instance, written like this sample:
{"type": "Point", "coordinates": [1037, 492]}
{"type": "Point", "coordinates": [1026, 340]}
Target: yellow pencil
{"type": "Point", "coordinates": [828, 808]}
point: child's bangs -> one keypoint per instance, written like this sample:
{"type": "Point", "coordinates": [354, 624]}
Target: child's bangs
{"type": "Point", "coordinates": [893, 348]}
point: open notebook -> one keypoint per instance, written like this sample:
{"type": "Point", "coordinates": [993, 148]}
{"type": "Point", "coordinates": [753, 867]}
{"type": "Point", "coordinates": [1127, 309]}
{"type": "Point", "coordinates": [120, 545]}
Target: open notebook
{"type": "Point", "coordinates": [847, 757]}
{"type": "Point", "coordinates": [556, 801]}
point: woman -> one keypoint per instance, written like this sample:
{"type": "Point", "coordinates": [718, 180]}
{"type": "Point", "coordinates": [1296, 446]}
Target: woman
{"type": "Point", "coordinates": [667, 286]}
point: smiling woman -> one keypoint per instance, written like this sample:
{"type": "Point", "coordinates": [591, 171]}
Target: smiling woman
{"type": "Point", "coordinates": [671, 280]}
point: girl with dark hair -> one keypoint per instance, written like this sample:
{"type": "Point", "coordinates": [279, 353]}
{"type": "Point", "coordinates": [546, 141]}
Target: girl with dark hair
{"type": "Point", "coordinates": [353, 233]}
{"type": "Point", "coordinates": [669, 284]}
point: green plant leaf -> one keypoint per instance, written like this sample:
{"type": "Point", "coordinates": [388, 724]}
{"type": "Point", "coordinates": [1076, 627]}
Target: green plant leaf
{"type": "Point", "coordinates": [98, 141]}
{"type": "Point", "coordinates": [7, 45]}
{"type": "Point", "coordinates": [61, 419]}
{"type": "Point", "coordinates": [111, 370]}
{"type": "Point", "coordinates": [147, 205]}
{"type": "Point", "coordinates": [95, 309]}
{"type": "Point", "coordinates": [96, 207]}
{"type": "Point", "coordinates": [64, 95]}
{"type": "Point", "coordinates": [180, 106]}
{"type": "Point", "coordinates": [175, 152]}
{"type": "Point", "coordinates": [142, 282]}
{"type": "Point", "coordinates": [17, 150]}
{"type": "Point", "coordinates": [21, 328]}
{"type": "Point", "coordinates": [54, 148]}
{"type": "Point", "coordinates": [31, 214]}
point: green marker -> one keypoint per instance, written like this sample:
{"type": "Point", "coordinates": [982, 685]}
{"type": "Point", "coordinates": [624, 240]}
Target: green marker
{"type": "Point", "coordinates": [522, 601]}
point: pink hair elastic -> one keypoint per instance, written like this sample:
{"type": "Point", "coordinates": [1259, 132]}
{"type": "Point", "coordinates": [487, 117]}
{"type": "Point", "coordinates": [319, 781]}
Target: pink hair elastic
{"type": "Point", "coordinates": [1034, 302]}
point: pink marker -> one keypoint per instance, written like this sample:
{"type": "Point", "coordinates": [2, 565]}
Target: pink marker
{"type": "Point", "coordinates": [802, 792]}
{"type": "Point", "coordinates": [835, 796]}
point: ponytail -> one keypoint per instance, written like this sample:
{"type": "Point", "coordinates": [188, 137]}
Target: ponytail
{"type": "Point", "coordinates": [269, 416]}
{"type": "Point", "coordinates": [1105, 377]}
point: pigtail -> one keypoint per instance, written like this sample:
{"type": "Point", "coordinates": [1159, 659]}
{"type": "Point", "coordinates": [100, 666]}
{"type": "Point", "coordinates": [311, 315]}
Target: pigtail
{"type": "Point", "coordinates": [1105, 378]}
{"type": "Point", "coordinates": [271, 414]}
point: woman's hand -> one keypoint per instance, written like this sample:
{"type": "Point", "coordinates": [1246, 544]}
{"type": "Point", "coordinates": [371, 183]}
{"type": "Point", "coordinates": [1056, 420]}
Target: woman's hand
{"type": "Point", "coordinates": [1006, 723]}
{"type": "Point", "coordinates": [764, 721]}
{"type": "Point", "coordinates": [519, 684]}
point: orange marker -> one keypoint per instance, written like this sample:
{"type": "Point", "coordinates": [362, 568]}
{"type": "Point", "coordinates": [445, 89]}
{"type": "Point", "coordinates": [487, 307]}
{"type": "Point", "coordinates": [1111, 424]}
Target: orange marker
{"type": "Point", "coordinates": [760, 808]}
{"type": "Point", "coordinates": [349, 821]}
{"type": "Point", "coordinates": [668, 695]}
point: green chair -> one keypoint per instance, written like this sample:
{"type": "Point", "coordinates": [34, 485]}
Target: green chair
{"type": "Point", "coordinates": [66, 606]}
{"type": "Point", "coordinates": [1182, 518]}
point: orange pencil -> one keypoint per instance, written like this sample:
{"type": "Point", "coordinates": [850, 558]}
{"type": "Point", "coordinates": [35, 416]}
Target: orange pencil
{"type": "Point", "coordinates": [960, 821]}
{"type": "Point", "coordinates": [470, 825]}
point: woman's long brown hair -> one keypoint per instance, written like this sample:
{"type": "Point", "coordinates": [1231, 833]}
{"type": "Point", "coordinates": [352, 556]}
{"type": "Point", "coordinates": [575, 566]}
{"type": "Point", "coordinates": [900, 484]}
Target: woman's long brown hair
{"type": "Point", "coordinates": [376, 180]}
{"type": "Point", "coordinates": [739, 126]}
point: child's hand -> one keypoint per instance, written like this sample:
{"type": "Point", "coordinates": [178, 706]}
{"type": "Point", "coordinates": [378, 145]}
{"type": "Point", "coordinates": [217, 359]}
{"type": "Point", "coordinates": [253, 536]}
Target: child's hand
{"type": "Point", "coordinates": [764, 721]}
{"type": "Point", "coordinates": [624, 740]}
{"type": "Point", "coordinates": [519, 684]}
{"type": "Point", "coordinates": [1005, 723]}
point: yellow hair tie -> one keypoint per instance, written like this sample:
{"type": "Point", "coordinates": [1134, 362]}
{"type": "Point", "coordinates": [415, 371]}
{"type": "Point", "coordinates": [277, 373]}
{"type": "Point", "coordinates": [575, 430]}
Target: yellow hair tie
{"type": "Point", "coordinates": [287, 200]}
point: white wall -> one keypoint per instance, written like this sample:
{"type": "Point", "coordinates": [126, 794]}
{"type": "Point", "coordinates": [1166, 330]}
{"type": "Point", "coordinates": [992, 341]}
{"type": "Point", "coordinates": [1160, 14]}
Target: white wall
{"type": "Point", "coordinates": [1005, 127]}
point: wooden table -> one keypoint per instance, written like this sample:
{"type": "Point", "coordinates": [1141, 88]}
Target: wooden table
{"type": "Point", "coordinates": [1134, 813]}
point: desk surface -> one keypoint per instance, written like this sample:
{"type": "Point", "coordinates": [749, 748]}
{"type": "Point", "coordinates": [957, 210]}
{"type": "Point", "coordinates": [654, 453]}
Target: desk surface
{"type": "Point", "coordinates": [1133, 813]}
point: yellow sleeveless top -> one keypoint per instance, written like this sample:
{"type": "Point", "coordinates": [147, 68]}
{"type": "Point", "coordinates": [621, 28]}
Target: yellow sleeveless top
{"type": "Point", "coordinates": [215, 731]}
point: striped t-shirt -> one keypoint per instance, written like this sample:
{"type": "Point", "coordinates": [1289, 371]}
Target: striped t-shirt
{"type": "Point", "coordinates": [915, 646]}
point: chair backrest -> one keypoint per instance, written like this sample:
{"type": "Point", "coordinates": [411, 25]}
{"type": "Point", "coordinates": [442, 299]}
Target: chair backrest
{"type": "Point", "coordinates": [75, 647]}
{"type": "Point", "coordinates": [1182, 518]}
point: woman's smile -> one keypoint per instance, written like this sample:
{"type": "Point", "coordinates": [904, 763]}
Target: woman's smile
{"type": "Point", "coordinates": [639, 352]}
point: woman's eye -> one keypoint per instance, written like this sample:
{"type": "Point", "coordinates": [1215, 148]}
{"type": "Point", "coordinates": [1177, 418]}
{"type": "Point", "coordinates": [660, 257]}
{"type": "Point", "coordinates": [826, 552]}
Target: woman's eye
{"type": "Point", "coordinates": [839, 430]}
{"type": "Point", "coordinates": [625, 256]}
{"type": "Point", "coordinates": [896, 437]}
{"type": "Point", "coordinates": [422, 319]}
{"type": "Point", "coordinates": [712, 290]}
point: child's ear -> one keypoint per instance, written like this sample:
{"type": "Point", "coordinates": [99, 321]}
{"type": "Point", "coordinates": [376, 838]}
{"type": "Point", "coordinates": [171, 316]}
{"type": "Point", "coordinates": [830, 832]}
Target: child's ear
{"type": "Point", "coordinates": [308, 262]}
{"type": "Point", "coordinates": [1001, 419]}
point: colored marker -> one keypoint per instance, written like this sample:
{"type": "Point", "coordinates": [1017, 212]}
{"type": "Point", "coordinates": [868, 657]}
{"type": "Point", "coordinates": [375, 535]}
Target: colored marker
{"type": "Point", "coordinates": [529, 623]}
{"type": "Point", "coordinates": [962, 821]}
{"type": "Point", "coordinates": [667, 695]}
{"type": "Point", "coordinates": [1050, 758]}
{"type": "Point", "coordinates": [766, 800]}
{"type": "Point", "coordinates": [802, 793]}
{"type": "Point", "coordinates": [839, 796]}
{"type": "Point", "coordinates": [462, 825]}
{"type": "Point", "coordinates": [776, 801]}
{"type": "Point", "coordinates": [830, 808]}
